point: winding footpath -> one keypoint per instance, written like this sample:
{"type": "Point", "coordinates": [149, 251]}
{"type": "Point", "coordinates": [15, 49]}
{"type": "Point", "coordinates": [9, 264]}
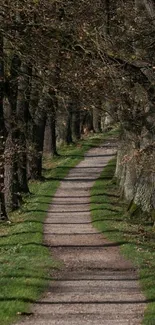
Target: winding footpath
{"type": "Point", "coordinates": [96, 285]}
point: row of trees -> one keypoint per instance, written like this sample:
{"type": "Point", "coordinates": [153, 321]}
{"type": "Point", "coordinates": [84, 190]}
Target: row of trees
{"type": "Point", "coordinates": [66, 67]}
{"type": "Point", "coordinates": [43, 76]}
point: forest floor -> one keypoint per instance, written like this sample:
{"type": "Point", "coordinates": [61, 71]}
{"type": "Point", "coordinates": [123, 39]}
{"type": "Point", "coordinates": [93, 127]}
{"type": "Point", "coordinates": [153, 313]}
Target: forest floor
{"type": "Point", "coordinates": [95, 285]}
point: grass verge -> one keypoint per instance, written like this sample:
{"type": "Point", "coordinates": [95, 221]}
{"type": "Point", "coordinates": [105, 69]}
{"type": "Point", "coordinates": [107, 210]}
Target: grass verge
{"type": "Point", "coordinates": [26, 265]}
{"type": "Point", "coordinates": [110, 217]}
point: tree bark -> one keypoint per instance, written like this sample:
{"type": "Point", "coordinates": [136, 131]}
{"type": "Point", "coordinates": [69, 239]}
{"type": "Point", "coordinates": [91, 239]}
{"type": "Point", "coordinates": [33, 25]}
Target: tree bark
{"type": "Point", "coordinates": [150, 8]}
{"type": "Point", "coordinates": [36, 129]}
{"type": "Point", "coordinates": [52, 120]}
{"type": "Point", "coordinates": [76, 130]}
{"type": "Point", "coordinates": [86, 121]}
{"type": "Point", "coordinates": [22, 164]}
{"type": "Point", "coordinates": [11, 183]}
{"type": "Point", "coordinates": [96, 119]}
{"type": "Point", "coordinates": [69, 139]}
{"type": "Point", "coordinates": [47, 137]}
{"type": "Point", "coordinates": [3, 214]}
{"type": "Point", "coordinates": [36, 142]}
{"type": "Point", "coordinates": [23, 115]}
{"type": "Point", "coordinates": [50, 135]}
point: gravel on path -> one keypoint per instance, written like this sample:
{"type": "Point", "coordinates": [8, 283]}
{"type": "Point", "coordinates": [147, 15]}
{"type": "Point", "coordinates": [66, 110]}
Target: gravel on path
{"type": "Point", "coordinates": [96, 285]}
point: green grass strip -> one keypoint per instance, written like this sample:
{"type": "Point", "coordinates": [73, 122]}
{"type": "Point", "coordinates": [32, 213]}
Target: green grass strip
{"type": "Point", "coordinates": [26, 265]}
{"type": "Point", "coordinates": [110, 217]}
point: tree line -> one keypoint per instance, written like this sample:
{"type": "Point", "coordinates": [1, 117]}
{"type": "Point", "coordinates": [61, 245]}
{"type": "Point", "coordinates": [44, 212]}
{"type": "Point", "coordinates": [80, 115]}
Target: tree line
{"type": "Point", "coordinates": [68, 67]}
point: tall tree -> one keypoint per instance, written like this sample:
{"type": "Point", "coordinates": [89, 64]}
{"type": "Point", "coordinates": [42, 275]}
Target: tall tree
{"type": "Point", "coordinates": [3, 214]}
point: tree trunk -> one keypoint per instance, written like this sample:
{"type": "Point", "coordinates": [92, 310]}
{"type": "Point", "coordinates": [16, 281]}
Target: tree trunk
{"type": "Point", "coordinates": [12, 188]}
{"type": "Point", "coordinates": [47, 137]}
{"type": "Point", "coordinates": [10, 179]}
{"type": "Point", "coordinates": [61, 122]}
{"type": "Point", "coordinates": [22, 164]}
{"type": "Point", "coordinates": [52, 116]}
{"type": "Point", "coordinates": [3, 214]}
{"type": "Point", "coordinates": [69, 139]}
{"type": "Point", "coordinates": [76, 131]}
{"type": "Point", "coordinates": [150, 7]}
{"type": "Point", "coordinates": [53, 133]}
{"type": "Point", "coordinates": [130, 176]}
{"type": "Point", "coordinates": [50, 135]}
{"type": "Point", "coordinates": [35, 144]}
{"type": "Point", "coordinates": [23, 115]}
{"type": "Point", "coordinates": [36, 129]}
{"type": "Point", "coordinates": [86, 122]}
{"type": "Point", "coordinates": [96, 119]}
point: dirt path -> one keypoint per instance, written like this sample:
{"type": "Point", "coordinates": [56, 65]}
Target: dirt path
{"type": "Point", "coordinates": [97, 286]}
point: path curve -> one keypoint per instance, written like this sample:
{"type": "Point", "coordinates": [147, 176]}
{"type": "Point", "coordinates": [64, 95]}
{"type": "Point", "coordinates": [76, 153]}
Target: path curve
{"type": "Point", "coordinates": [97, 286]}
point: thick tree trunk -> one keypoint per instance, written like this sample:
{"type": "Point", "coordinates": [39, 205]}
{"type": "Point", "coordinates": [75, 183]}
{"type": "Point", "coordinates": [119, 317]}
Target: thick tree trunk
{"type": "Point", "coordinates": [11, 179]}
{"type": "Point", "coordinates": [149, 6]}
{"type": "Point", "coordinates": [35, 130]}
{"type": "Point", "coordinates": [3, 214]}
{"type": "Point", "coordinates": [137, 177]}
{"type": "Point", "coordinates": [53, 133]}
{"type": "Point", "coordinates": [86, 122]}
{"type": "Point", "coordinates": [50, 135]}
{"type": "Point", "coordinates": [69, 139]}
{"type": "Point", "coordinates": [23, 115]}
{"type": "Point", "coordinates": [53, 107]}
{"type": "Point", "coordinates": [22, 164]}
{"type": "Point", "coordinates": [144, 191]}
{"type": "Point", "coordinates": [12, 188]}
{"type": "Point", "coordinates": [120, 171]}
{"type": "Point", "coordinates": [35, 144]}
{"type": "Point", "coordinates": [76, 130]}
{"type": "Point", "coordinates": [96, 119]}
{"type": "Point", "coordinates": [145, 186]}
{"type": "Point", "coordinates": [131, 175]}
{"type": "Point", "coordinates": [61, 127]}
{"type": "Point", "coordinates": [47, 137]}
